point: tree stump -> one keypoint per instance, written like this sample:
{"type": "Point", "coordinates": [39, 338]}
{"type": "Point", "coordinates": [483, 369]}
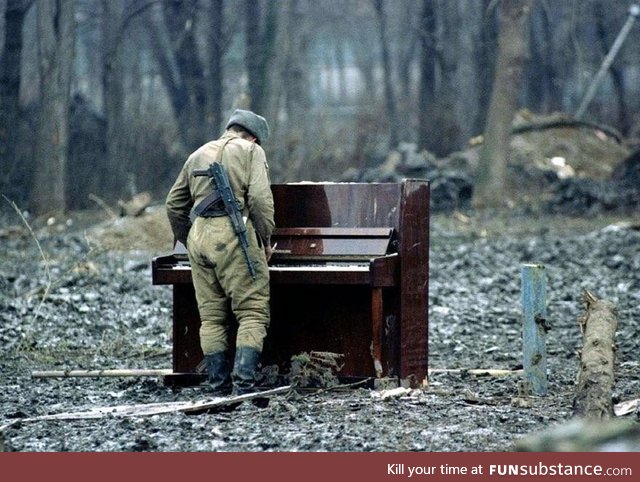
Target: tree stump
{"type": "Point", "coordinates": [593, 397]}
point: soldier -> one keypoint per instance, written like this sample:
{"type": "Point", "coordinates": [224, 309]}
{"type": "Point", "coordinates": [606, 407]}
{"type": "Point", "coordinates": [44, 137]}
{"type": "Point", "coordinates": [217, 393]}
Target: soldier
{"type": "Point", "coordinates": [221, 276]}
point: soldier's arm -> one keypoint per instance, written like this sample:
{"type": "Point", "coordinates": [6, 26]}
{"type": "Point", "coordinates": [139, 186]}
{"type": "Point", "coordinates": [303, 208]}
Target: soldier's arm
{"type": "Point", "coordinates": [179, 204]}
{"type": "Point", "coordinates": [259, 196]}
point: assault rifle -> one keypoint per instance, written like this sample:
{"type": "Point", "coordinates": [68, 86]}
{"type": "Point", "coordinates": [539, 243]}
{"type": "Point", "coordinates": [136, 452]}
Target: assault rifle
{"type": "Point", "coordinates": [220, 182]}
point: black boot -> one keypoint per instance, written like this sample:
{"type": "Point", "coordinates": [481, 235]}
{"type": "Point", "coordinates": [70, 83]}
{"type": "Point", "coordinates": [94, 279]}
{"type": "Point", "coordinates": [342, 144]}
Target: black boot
{"type": "Point", "coordinates": [245, 367]}
{"type": "Point", "coordinates": [244, 370]}
{"type": "Point", "coordinates": [219, 377]}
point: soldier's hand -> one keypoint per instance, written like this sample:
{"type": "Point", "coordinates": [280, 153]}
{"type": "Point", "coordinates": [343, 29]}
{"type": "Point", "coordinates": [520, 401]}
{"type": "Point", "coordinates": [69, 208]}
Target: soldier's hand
{"type": "Point", "coordinates": [268, 251]}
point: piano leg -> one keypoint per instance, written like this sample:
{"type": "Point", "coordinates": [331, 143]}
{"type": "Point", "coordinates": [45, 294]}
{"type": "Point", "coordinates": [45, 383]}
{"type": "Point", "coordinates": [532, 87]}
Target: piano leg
{"type": "Point", "coordinates": [187, 353]}
{"type": "Point", "coordinates": [377, 329]}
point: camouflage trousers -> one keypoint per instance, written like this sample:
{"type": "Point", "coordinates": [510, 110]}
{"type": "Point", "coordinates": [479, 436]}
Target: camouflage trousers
{"type": "Point", "coordinates": [224, 286]}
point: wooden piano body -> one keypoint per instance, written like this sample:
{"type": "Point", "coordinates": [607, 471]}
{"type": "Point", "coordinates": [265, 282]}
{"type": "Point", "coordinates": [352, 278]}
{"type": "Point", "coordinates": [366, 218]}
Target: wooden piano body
{"type": "Point", "coordinates": [349, 275]}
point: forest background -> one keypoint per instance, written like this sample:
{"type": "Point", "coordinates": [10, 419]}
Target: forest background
{"type": "Point", "coordinates": [102, 99]}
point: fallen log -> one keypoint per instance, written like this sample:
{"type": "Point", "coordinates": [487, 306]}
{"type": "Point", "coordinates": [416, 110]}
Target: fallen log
{"type": "Point", "coordinates": [584, 435]}
{"type": "Point", "coordinates": [560, 122]}
{"type": "Point", "coordinates": [593, 398]}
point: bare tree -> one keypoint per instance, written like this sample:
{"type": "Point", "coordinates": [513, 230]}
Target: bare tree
{"type": "Point", "coordinates": [389, 94]}
{"type": "Point", "coordinates": [489, 188]}
{"type": "Point", "coordinates": [216, 40]}
{"type": "Point", "coordinates": [260, 42]}
{"type": "Point", "coordinates": [407, 36]}
{"type": "Point", "coordinates": [616, 69]}
{"type": "Point", "coordinates": [56, 41]}
{"type": "Point", "coordinates": [427, 73]}
{"type": "Point", "coordinates": [112, 24]}
{"type": "Point", "coordinates": [449, 52]}
{"type": "Point", "coordinates": [172, 29]}
{"type": "Point", "coordinates": [10, 69]}
{"type": "Point", "coordinates": [333, 77]}
{"type": "Point", "coordinates": [485, 63]}
{"type": "Point", "coordinates": [542, 91]}
{"type": "Point", "coordinates": [296, 95]}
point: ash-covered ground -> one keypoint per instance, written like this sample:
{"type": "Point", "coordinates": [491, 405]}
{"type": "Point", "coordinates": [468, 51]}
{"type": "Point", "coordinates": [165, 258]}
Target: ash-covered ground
{"type": "Point", "coordinates": [92, 306]}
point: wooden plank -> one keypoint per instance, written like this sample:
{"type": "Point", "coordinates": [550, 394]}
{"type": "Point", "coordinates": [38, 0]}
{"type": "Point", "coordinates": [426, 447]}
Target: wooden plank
{"type": "Point", "coordinates": [146, 409]}
{"type": "Point", "coordinates": [534, 307]}
{"type": "Point", "coordinates": [130, 372]}
{"type": "Point", "coordinates": [491, 372]}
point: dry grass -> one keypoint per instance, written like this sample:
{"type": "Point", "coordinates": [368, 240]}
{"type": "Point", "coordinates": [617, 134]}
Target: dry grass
{"type": "Point", "coordinates": [149, 231]}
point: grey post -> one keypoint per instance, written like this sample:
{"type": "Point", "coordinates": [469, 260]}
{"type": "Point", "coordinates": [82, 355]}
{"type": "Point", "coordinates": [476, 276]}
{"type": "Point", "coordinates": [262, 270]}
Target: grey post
{"type": "Point", "coordinates": [534, 327]}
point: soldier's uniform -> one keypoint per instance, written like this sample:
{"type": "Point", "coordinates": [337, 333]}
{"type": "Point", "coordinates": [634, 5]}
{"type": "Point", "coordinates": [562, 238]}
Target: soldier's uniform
{"type": "Point", "coordinates": [221, 277]}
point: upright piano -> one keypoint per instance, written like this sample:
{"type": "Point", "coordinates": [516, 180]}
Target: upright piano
{"type": "Point", "coordinates": [349, 275]}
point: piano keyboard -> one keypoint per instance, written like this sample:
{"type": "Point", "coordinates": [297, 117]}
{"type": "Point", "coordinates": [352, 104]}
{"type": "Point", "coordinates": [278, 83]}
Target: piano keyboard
{"type": "Point", "coordinates": [324, 267]}
{"type": "Point", "coordinates": [336, 268]}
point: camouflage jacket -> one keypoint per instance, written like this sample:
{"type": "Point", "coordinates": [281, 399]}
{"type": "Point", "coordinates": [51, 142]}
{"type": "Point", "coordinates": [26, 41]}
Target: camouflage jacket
{"type": "Point", "coordinates": [246, 165]}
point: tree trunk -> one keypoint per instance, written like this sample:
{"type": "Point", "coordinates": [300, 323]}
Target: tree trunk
{"type": "Point", "coordinates": [489, 189]}
{"type": "Point", "coordinates": [113, 172]}
{"type": "Point", "coordinates": [340, 96]}
{"type": "Point", "coordinates": [260, 44]}
{"type": "Point", "coordinates": [56, 41]}
{"type": "Point", "coordinates": [389, 95]}
{"type": "Point", "coordinates": [175, 49]}
{"type": "Point", "coordinates": [427, 74]}
{"type": "Point", "coordinates": [297, 103]}
{"type": "Point", "coordinates": [10, 67]}
{"type": "Point", "coordinates": [216, 72]}
{"type": "Point", "coordinates": [253, 53]}
{"type": "Point", "coordinates": [408, 50]}
{"type": "Point", "coordinates": [617, 73]}
{"type": "Point", "coordinates": [181, 18]}
{"type": "Point", "coordinates": [595, 381]}
{"type": "Point", "coordinates": [542, 92]}
{"type": "Point", "coordinates": [485, 64]}
{"type": "Point", "coordinates": [446, 130]}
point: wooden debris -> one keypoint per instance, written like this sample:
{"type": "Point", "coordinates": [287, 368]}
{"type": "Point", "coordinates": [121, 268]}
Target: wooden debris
{"type": "Point", "coordinates": [593, 397]}
{"type": "Point", "coordinates": [13, 232]}
{"type": "Point", "coordinates": [392, 393]}
{"type": "Point", "coordinates": [100, 202]}
{"type": "Point", "coordinates": [521, 402]}
{"type": "Point", "coordinates": [136, 205]}
{"type": "Point", "coordinates": [146, 409]}
{"type": "Point", "coordinates": [130, 372]}
{"type": "Point", "coordinates": [624, 408]}
{"type": "Point", "coordinates": [489, 372]}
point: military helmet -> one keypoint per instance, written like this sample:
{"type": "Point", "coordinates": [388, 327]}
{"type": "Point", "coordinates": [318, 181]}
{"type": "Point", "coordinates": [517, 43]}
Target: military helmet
{"type": "Point", "coordinates": [255, 124]}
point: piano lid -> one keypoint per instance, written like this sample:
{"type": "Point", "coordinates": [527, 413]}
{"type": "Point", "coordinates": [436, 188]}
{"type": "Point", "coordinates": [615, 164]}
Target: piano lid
{"type": "Point", "coordinates": [330, 243]}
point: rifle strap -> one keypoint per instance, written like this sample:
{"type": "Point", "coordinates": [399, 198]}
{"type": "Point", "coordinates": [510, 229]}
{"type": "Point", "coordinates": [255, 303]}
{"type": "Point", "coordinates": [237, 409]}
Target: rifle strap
{"type": "Point", "coordinates": [205, 208]}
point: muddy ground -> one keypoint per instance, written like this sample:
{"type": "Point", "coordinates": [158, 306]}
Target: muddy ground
{"type": "Point", "coordinates": [91, 305]}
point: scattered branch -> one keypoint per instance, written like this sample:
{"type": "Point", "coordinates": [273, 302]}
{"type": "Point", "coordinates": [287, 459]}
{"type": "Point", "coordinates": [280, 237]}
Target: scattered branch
{"type": "Point", "coordinates": [42, 254]}
{"type": "Point", "coordinates": [100, 202]}
{"type": "Point", "coordinates": [146, 409]}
